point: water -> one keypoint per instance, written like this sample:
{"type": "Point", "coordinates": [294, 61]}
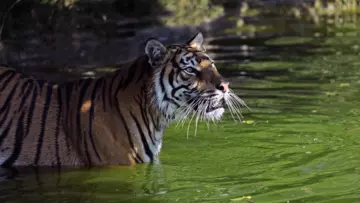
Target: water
{"type": "Point", "coordinates": [299, 142]}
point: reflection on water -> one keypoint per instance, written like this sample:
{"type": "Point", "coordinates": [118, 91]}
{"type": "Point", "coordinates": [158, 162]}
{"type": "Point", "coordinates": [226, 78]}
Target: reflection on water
{"type": "Point", "coordinates": [296, 68]}
{"type": "Point", "coordinates": [82, 185]}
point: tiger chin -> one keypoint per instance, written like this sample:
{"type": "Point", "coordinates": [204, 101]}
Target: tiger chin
{"type": "Point", "coordinates": [118, 119]}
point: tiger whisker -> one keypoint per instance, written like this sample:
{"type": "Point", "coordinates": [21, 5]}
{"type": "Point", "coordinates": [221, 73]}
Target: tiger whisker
{"type": "Point", "coordinates": [188, 129]}
{"type": "Point", "coordinates": [240, 101]}
{"type": "Point", "coordinates": [200, 113]}
{"type": "Point", "coordinates": [230, 109]}
{"type": "Point", "coordinates": [234, 110]}
{"type": "Point", "coordinates": [201, 104]}
{"type": "Point", "coordinates": [184, 112]}
{"type": "Point", "coordinates": [188, 110]}
{"type": "Point", "coordinates": [197, 102]}
{"type": "Point", "coordinates": [208, 124]}
{"type": "Point", "coordinates": [196, 125]}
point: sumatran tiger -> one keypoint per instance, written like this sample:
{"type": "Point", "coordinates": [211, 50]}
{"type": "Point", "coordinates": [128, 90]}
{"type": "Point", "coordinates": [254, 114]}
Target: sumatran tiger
{"type": "Point", "coordinates": [118, 119]}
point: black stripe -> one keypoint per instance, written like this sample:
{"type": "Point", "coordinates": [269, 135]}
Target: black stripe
{"type": "Point", "coordinates": [143, 139]}
{"type": "Point", "coordinates": [179, 72]}
{"type": "Point", "coordinates": [146, 114]}
{"type": "Point", "coordinates": [6, 82]}
{"type": "Point", "coordinates": [5, 116]}
{"type": "Point", "coordinates": [210, 95]}
{"type": "Point", "coordinates": [111, 85]}
{"type": "Point", "coordinates": [6, 73]}
{"type": "Point", "coordinates": [46, 107]}
{"type": "Point", "coordinates": [125, 83]}
{"type": "Point", "coordinates": [68, 91]}
{"type": "Point", "coordinates": [33, 99]}
{"type": "Point", "coordinates": [91, 117]}
{"type": "Point", "coordinates": [144, 118]}
{"type": "Point", "coordinates": [181, 62]}
{"type": "Point", "coordinates": [162, 86]}
{"type": "Point", "coordinates": [84, 87]}
{"type": "Point", "coordinates": [129, 78]}
{"type": "Point", "coordinates": [6, 131]}
{"type": "Point", "coordinates": [171, 78]}
{"type": "Point", "coordinates": [17, 143]}
{"type": "Point", "coordinates": [175, 64]}
{"type": "Point", "coordinates": [19, 129]}
{"type": "Point", "coordinates": [42, 84]}
{"type": "Point", "coordinates": [88, 157]}
{"type": "Point", "coordinates": [9, 98]}
{"type": "Point", "coordinates": [138, 159]}
{"type": "Point", "coordinates": [145, 111]}
{"type": "Point", "coordinates": [104, 98]}
{"type": "Point", "coordinates": [57, 128]}
{"type": "Point", "coordinates": [68, 117]}
{"type": "Point", "coordinates": [6, 106]}
{"type": "Point", "coordinates": [141, 75]}
{"type": "Point", "coordinates": [26, 92]}
{"type": "Point", "coordinates": [145, 69]}
{"type": "Point", "coordinates": [173, 91]}
{"type": "Point", "coordinates": [166, 98]}
{"type": "Point", "coordinates": [152, 118]}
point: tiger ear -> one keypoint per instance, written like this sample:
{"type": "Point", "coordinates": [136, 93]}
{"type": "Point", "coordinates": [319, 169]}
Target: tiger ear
{"type": "Point", "coordinates": [197, 42]}
{"type": "Point", "coordinates": [155, 51]}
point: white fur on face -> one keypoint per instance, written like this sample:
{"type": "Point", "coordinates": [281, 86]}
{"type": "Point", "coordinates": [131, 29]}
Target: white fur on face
{"type": "Point", "coordinates": [215, 115]}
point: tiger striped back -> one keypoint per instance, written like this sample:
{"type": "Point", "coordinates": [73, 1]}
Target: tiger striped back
{"type": "Point", "coordinates": [27, 119]}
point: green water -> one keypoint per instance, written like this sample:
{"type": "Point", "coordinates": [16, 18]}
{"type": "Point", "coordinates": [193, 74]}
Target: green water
{"type": "Point", "coordinates": [299, 143]}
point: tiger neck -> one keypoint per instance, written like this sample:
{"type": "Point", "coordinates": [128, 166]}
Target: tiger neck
{"type": "Point", "coordinates": [162, 99]}
{"type": "Point", "coordinates": [141, 114]}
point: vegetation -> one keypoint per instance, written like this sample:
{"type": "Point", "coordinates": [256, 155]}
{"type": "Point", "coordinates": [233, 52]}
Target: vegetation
{"type": "Point", "coordinates": [189, 12]}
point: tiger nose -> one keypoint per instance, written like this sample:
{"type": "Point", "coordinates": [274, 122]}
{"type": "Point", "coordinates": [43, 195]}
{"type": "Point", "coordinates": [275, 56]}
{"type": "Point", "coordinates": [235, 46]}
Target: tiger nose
{"type": "Point", "coordinates": [223, 86]}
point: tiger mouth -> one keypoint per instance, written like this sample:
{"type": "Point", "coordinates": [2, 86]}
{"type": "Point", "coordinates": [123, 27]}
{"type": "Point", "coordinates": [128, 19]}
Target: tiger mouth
{"type": "Point", "coordinates": [220, 105]}
{"type": "Point", "coordinates": [213, 108]}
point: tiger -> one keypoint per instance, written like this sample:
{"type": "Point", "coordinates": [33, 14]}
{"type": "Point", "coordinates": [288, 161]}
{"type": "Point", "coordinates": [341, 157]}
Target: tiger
{"type": "Point", "coordinates": [116, 119]}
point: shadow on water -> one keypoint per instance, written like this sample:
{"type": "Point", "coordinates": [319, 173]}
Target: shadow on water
{"type": "Point", "coordinates": [83, 185]}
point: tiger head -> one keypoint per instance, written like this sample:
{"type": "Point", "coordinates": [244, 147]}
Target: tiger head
{"type": "Point", "coordinates": [187, 83]}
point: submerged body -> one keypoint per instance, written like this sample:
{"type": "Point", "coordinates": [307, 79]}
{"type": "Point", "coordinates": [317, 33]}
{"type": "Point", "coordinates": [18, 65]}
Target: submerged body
{"type": "Point", "coordinates": [116, 119]}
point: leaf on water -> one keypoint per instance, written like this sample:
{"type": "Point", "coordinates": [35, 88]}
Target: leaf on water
{"type": "Point", "coordinates": [345, 84]}
{"type": "Point", "coordinates": [330, 93]}
{"type": "Point", "coordinates": [241, 198]}
{"type": "Point", "coordinates": [307, 190]}
{"type": "Point", "coordinates": [248, 122]}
